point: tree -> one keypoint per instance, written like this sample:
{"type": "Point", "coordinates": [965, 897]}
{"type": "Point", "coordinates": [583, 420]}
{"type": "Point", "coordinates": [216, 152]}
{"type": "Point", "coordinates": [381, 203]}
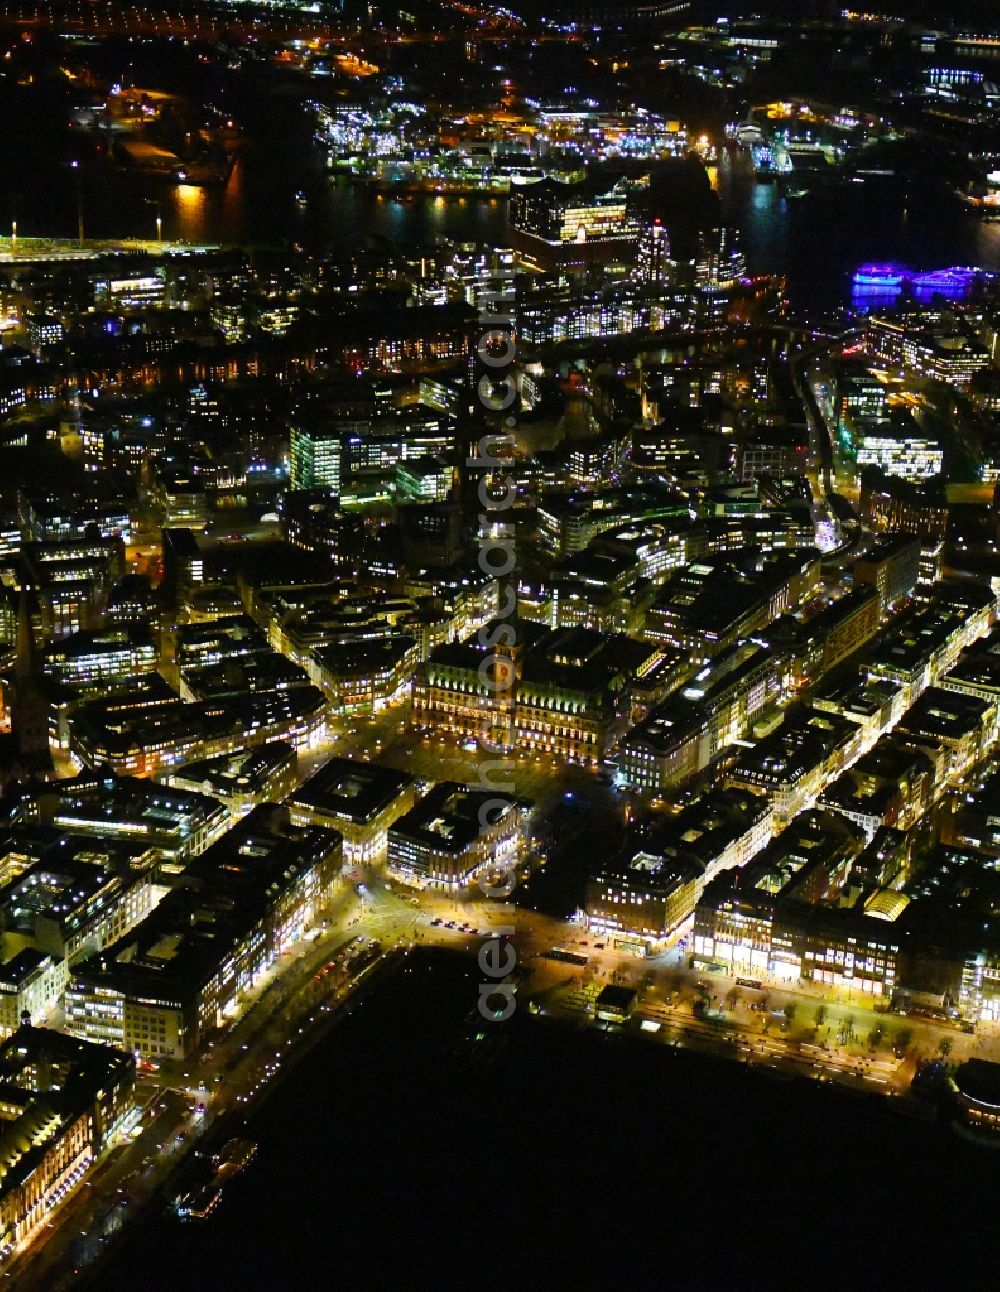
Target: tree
{"type": "Point", "coordinates": [789, 1012]}
{"type": "Point", "coordinates": [732, 996]}
{"type": "Point", "coordinates": [944, 1047]}
{"type": "Point", "coordinates": [820, 1015]}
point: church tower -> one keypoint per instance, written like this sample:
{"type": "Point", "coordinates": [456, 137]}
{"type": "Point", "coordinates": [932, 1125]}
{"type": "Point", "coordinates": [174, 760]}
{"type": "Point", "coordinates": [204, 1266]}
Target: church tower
{"type": "Point", "coordinates": [29, 710]}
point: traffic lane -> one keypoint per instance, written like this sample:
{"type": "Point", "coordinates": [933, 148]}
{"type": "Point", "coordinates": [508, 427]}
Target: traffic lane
{"type": "Point", "coordinates": [145, 1161]}
{"type": "Point", "coordinates": [726, 1035]}
{"type": "Point", "coordinates": [865, 1014]}
{"type": "Point", "coordinates": [79, 1216]}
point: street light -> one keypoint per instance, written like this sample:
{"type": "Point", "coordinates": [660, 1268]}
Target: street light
{"type": "Point", "coordinates": [75, 167]}
{"type": "Point", "coordinates": [159, 218]}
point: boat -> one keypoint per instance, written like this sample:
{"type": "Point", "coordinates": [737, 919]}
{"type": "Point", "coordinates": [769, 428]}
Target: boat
{"type": "Point", "coordinates": [203, 174]}
{"type": "Point", "coordinates": [955, 282]}
{"type": "Point", "coordinates": [233, 1157]}
{"type": "Point", "coordinates": [984, 198]}
{"type": "Point", "coordinates": [882, 278]}
{"type": "Point", "coordinates": [763, 161]}
{"type": "Point", "coordinates": [300, 197]}
{"type": "Point", "coordinates": [199, 1204]}
{"type": "Point", "coordinates": [948, 282]}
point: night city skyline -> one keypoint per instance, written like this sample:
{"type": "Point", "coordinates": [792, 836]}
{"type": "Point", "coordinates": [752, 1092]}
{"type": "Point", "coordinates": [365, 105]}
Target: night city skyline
{"type": "Point", "coordinates": [499, 645]}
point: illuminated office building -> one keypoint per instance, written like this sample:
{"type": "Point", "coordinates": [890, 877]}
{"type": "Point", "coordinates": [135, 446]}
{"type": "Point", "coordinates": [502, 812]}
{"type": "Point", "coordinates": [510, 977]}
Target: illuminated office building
{"type": "Point", "coordinates": [92, 662]}
{"type": "Point", "coordinates": [654, 265]}
{"type": "Point", "coordinates": [687, 731]}
{"type": "Point", "coordinates": [185, 970]}
{"type": "Point", "coordinates": [783, 914]}
{"type": "Point", "coordinates": [63, 1103]}
{"type": "Point", "coordinates": [639, 901]}
{"type": "Point", "coordinates": [361, 800]}
{"type": "Point", "coordinates": [315, 452]}
{"type": "Point", "coordinates": [456, 835]}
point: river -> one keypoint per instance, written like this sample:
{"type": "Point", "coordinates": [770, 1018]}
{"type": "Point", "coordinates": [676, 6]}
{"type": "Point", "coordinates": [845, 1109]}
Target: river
{"type": "Point", "coordinates": [816, 241]}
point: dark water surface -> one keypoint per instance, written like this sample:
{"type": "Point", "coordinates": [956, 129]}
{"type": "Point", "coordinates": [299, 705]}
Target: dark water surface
{"type": "Point", "coordinates": [816, 241]}
{"type": "Point", "coordinates": [391, 1160]}
{"type": "Point", "coordinates": [388, 1159]}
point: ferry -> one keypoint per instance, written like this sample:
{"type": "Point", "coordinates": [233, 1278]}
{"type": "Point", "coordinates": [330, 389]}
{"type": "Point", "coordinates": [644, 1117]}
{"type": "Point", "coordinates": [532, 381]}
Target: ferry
{"type": "Point", "coordinates": [884, 278]}
{"type": "Point", "coordinates": [199, 1203]}
{"type": "Point", "coordinates": [983, 198]}
{"type": "Point", "coordinates": [203, 174]}
{"type": "Point", "coordinates": [204, 1202]}
{"type": "Point", "coordinates": [233, 1157]}
{"type": "Point", "coordinates": [955, 281]}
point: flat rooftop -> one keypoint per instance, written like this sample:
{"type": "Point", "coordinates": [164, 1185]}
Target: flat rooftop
{"type": "Point", "coordinates": [240, 773]}
{"type": "Point", "coordinates": [943, 715]}
{"type": "Point", "coordinates": [353, 789]}
{"type": "Point", "coordinates": [447, 818]}
{"type": "Point", "coordinates": [786, 755]}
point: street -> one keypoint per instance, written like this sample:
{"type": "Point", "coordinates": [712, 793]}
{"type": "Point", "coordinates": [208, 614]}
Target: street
{"type": "Point", "coordinates": [792, 1028]}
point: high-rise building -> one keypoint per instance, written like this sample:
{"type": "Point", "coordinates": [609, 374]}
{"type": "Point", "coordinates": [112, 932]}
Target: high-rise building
{"type": "Point", "coordinates": [563, 225]}
{"type": "Point", "coordinates": [720, 258]}
{"type": "Point", "coordinates": [315, 453]}
{"type": "Point", "coordinates": [654, 255]}
{"type": "Point", "coordinates": [29, 706]}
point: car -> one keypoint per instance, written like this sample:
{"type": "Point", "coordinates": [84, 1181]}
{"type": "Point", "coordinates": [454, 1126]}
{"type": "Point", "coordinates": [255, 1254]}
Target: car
{"type": "Point", "coordinates": [584, 942]}
{"type": "Point", "coordinates": [599, 946]}
{"type": "Point", "coordinates": [436, 921]}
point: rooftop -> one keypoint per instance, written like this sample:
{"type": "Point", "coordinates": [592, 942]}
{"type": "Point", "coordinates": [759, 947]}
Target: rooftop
{"type": "Point", "coordinates": [447, 818]}
{"type": "Point", "coordinates": [243, 772]}
{"type": "Point", "coordinates": [350, 788]}
{"type": "Point", "coordinates": [944, 715]}
{"type": "Point", "coordinates": [55, 1079]}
